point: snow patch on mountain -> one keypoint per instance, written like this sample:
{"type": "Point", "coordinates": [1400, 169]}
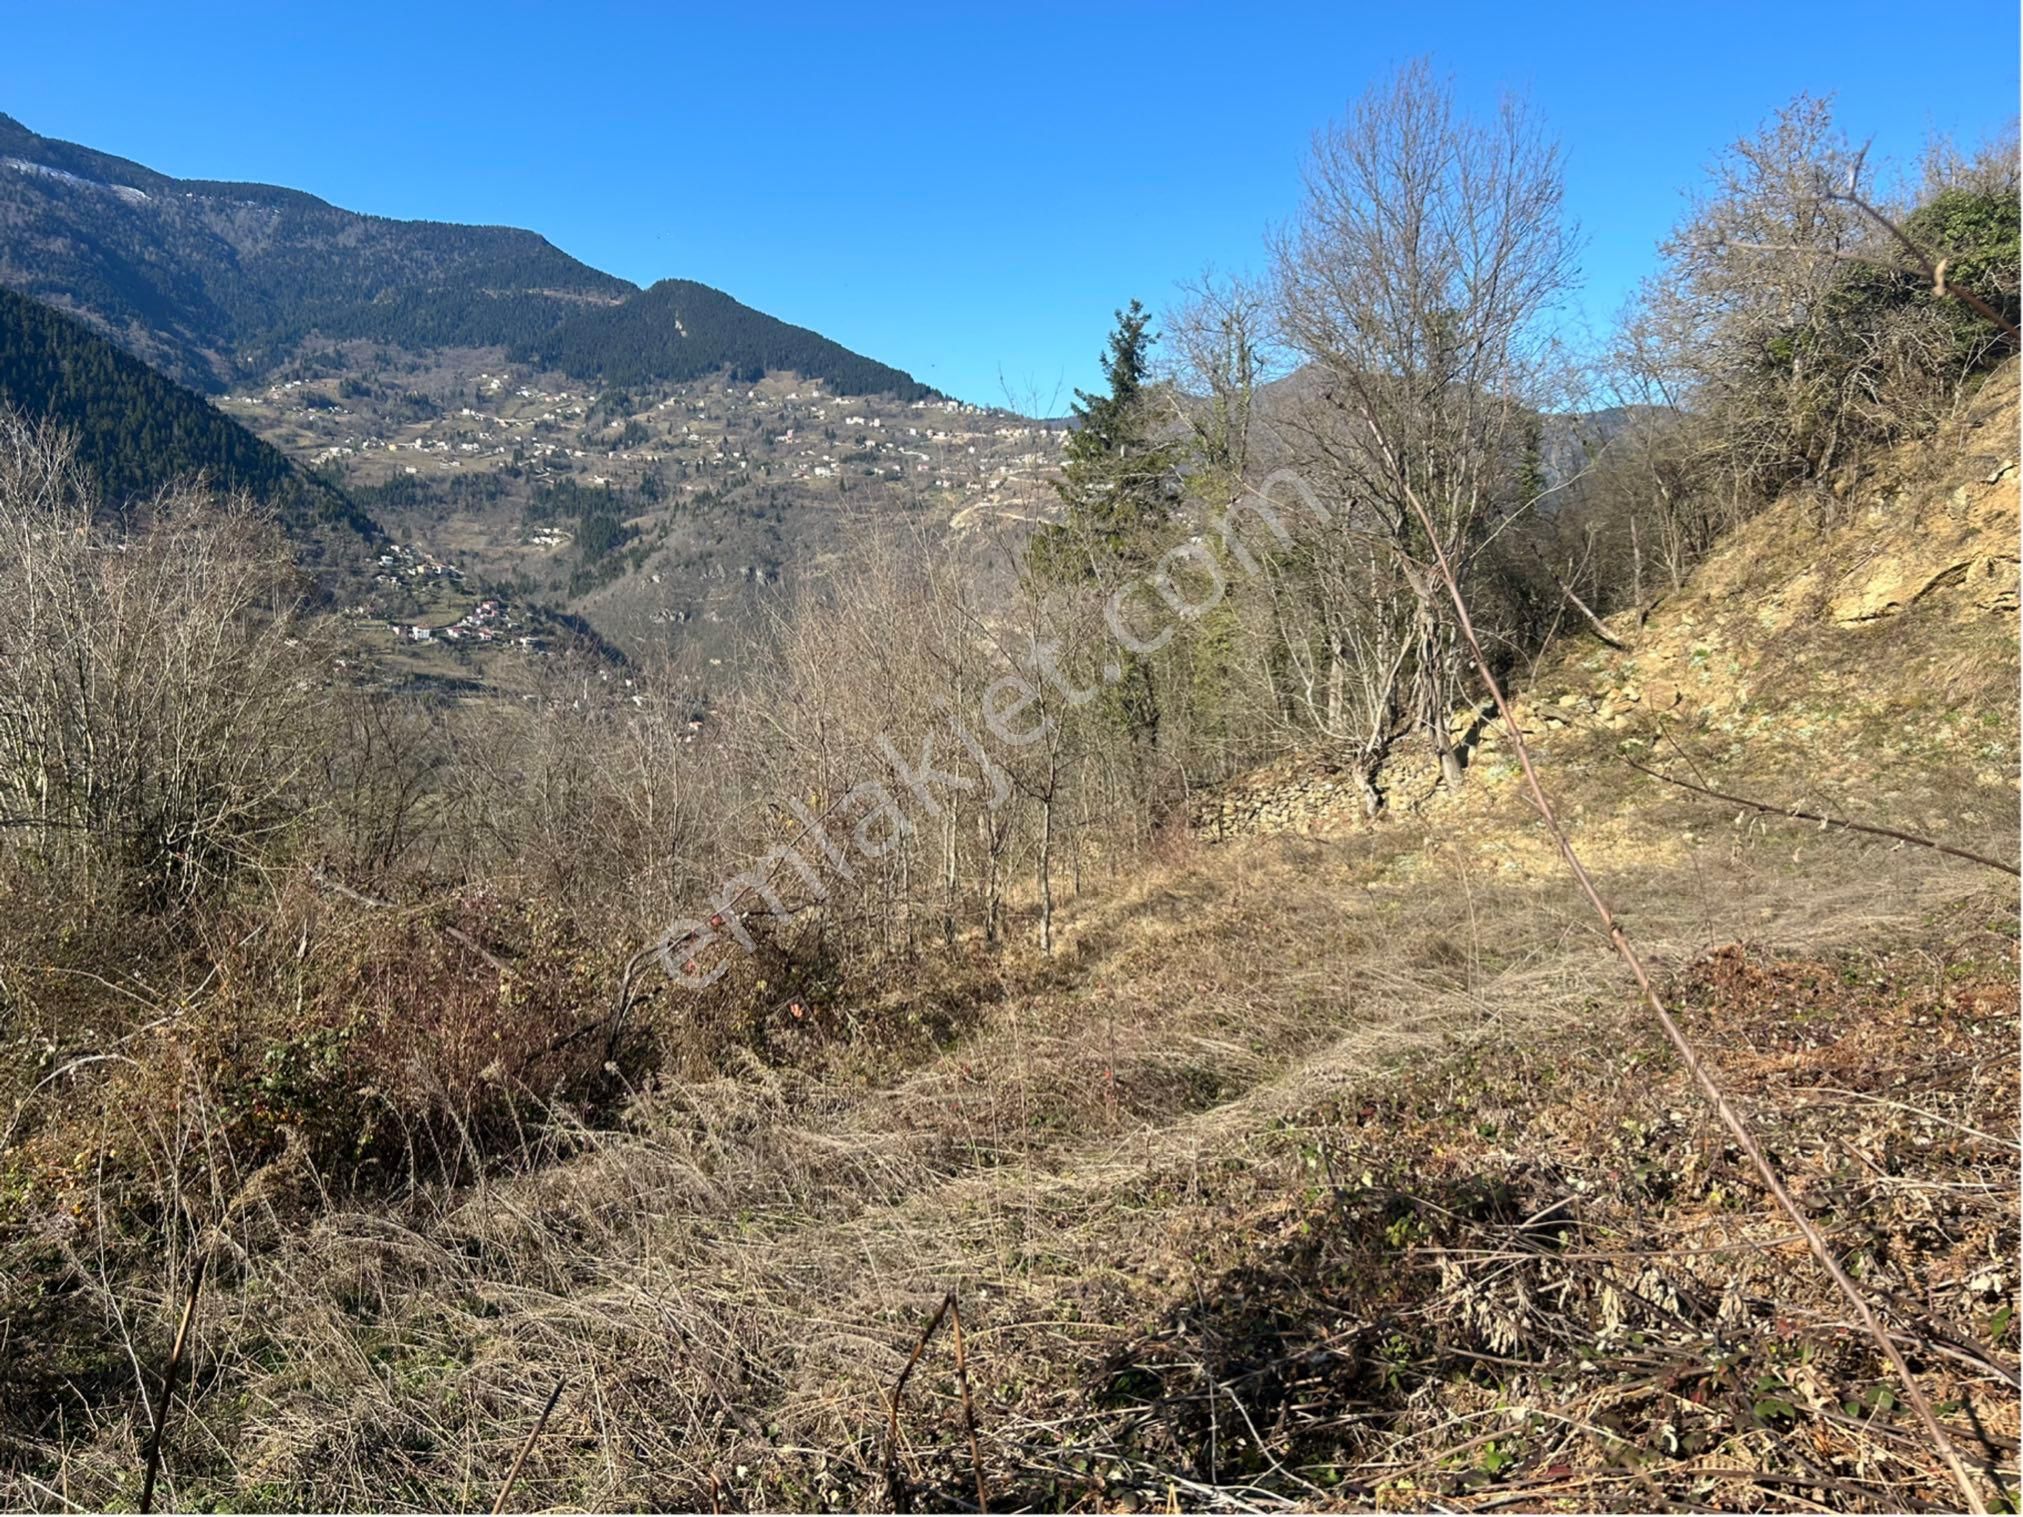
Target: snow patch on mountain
{"type": "Point", "coordinates": [125, 192]}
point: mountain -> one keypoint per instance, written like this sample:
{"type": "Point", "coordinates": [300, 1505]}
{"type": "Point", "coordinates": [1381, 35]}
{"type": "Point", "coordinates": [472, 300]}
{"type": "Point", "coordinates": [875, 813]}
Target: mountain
{"type": "Point", "coordinates": [680, 330]}
{"type": "Point", "coordinates": [138, 431]}
{"type": "Point", "coordinates": [216, 282]}
{"type": "Point", "coordinates": [211, 280]}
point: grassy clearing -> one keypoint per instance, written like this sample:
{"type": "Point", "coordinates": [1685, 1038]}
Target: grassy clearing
{"type": "Point", "coordinates": [1307, 1172]}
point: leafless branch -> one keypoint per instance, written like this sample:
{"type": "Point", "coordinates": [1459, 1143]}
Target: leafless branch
{"type": "Point", "coordinates": [1800, 815]}
{"type": "Point", "coordinates": [527, 1447]}
{"type": "Point", "coordinates": [455, 934]}
{"type": "Point", "coordinates": [1934, 271]}
{"type": "Point", "coordinates": [1587, 612]}
{"type": "Point", "coordinates": [177, 1353]}
{"type": "Point", "coordinates": [1688, 1055]}
{"type": "Point", "coordinates": [968, 1404]}
{"type": "Point", "coordinates": [895, 1481]}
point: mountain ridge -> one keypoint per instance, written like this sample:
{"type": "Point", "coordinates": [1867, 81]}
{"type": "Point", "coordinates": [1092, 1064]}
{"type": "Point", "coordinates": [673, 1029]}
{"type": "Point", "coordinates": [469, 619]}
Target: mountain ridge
{"type": "Point", "coordinates": [627, 344]}
{"type": "Point", "coordinates": [217, 281]}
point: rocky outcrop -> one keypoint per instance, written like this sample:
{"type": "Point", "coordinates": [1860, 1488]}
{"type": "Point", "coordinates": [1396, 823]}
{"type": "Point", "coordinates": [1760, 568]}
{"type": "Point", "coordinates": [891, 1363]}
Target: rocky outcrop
{"type": "Point", "coordinates": [1788, 631]}
{"type": "Point", "coordinates": [1967, 544]}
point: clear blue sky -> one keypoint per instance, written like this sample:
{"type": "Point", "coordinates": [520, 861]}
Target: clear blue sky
{"type": "Point", "coordinates": [964, 191]}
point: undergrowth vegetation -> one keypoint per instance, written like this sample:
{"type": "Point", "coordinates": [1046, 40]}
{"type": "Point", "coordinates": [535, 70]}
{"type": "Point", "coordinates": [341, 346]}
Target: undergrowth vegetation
{"type": "Point", "coordinates": [583, 1079]}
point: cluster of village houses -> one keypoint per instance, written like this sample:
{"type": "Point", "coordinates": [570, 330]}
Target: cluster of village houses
{"type": "Point", "coordinates": [449, 452]}
{"type": "Point", "coordinates": [407, 561]}
{"type": "Point", "coordinates": [791, 428]}
{"type": "Point", "coordinates": [496, 435]}
{"type": "Point", "coordinates": [486, 622]}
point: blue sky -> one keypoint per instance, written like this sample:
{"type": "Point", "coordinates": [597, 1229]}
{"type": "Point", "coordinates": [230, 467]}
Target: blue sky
{"type": "Point", "coordinates": [965, 192]}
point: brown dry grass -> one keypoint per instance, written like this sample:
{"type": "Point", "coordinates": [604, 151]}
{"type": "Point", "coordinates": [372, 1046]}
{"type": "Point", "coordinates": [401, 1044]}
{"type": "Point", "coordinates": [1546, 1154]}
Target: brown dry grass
{"type": "Point", "coordinates": [1190, 1139]}
{"type": "Point", "coordinates": [1306, 1172]}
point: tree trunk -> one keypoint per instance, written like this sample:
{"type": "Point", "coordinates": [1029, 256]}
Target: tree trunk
{"type": "Point", "coordinates": [987, 840]}
{"type": "Point", "coordinates": [1373, 798]}
{"type": "Point", "coordinates": [1452, 768]}
{"type": "Point", "coordinates": [1337, 680]}
{"type": "Point", "coordinates": [1436, 696]}
{"type": "Point", "coordinates": [948, 878]}
{"type": "Point", "coordinates": [1047, 876]}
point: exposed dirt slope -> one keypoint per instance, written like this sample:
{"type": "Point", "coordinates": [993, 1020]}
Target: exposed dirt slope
{"type": "Point", "coordinates": [1858, 650]}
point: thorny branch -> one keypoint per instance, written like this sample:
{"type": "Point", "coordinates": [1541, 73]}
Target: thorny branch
{"type": "Point", "coordinates": [895, 1481]}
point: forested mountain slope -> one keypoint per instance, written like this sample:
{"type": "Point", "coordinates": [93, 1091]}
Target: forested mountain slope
{"type": "Point", "coordinates": [138, 432]}
{"type": "Point", "coordinates": [212, 279]}
{"type": "Point", "coordinates": [215, 282]}
{"type": "Point", "coordinates": [680, 330]}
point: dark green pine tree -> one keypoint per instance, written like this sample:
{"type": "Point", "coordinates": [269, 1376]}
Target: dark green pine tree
{"type": "Point", "coordinates": [1117, 483]}
{"type": "Point", "coordinates": [1116, 480]}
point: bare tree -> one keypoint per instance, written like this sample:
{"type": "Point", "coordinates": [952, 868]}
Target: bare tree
{"type": "Point", "coordinates": [1805, 318]}
{"type": "Point", "coordinates": [1416, 281]}
{"type": "Point", "coordinates": [1220, 351]}
{"type": "Point", "coordinates": [158, 694]}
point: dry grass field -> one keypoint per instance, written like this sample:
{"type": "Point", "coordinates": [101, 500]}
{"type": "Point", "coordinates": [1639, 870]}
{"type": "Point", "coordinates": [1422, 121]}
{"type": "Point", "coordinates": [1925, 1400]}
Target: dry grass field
{"type": "Point", "coordinates": [1338, 1170]}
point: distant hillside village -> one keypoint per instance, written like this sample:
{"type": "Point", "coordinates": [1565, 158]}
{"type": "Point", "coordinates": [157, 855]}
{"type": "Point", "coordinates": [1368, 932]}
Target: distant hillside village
{"type": "Point", "coordinates": [548, 432]}
{"type": "Point", "coordinates": [489, 621]}
{"type": "Point", "coordinates": [644, 507]}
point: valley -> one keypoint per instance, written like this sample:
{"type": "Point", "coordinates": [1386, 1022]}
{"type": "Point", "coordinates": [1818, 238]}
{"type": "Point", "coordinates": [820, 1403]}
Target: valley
{"type": "Point", "coordinates": [607, 904]}
{"type": "Point", "coordinates": [662, 463]}
{"type": "Point", "coordinates": [664, 514]}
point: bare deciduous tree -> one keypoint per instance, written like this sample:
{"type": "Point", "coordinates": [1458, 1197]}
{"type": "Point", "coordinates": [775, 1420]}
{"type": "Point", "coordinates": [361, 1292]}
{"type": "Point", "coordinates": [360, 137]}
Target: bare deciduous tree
{"type": "Point", "coordinates": [156, 689]}
{"type": "Point", "coordinates": [1427, 254]}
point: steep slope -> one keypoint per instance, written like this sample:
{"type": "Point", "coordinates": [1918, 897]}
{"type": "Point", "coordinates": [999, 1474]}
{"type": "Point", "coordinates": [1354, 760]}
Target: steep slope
{"type": "Point", "coordinates": [207, 279]}
{"type": "Point", "coordinates": [1305, 1174]}
{"type": "Point", "coordinates": [1826, 646]}
{"type": "Point", "coordinates": [680, 330]}
{"type": "Point", "coordinates": [137, 431]}
{"type": "Point", "coordinates": [213, 281]}
{"type": "Point", "coordinates": [1856, 654]}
